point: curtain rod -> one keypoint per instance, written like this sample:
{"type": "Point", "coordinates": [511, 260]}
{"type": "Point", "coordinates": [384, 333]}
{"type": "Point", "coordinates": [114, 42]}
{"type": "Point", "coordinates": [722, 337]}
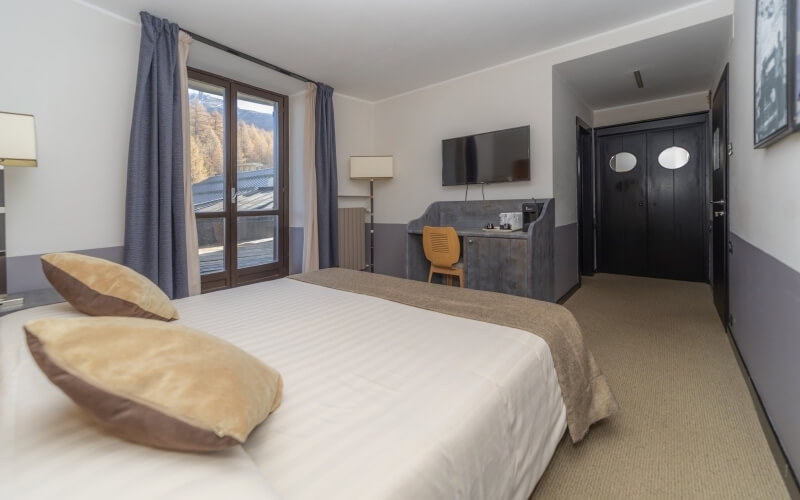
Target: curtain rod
{"type": "Point", "coordinates": [250, 58]}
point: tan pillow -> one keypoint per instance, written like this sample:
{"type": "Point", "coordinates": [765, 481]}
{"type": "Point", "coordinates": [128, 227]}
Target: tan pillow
{"type": "Point", "coordinates": [156, 383]}
{"type": "Point", "coordinates": [99, 287]}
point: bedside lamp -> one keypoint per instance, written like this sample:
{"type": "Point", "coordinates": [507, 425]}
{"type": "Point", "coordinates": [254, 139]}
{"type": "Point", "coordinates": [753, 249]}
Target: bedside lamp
{"type": "Point", "coordinates": [371, 167]}
{"type": "Point", "coordinates": [17, 149]}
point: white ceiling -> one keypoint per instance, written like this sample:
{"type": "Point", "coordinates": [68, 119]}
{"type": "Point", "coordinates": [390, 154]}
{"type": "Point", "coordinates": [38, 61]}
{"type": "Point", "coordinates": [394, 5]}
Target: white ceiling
{"type": "Point", "coordinates": [677, 63]}
{"type": "Point", "coordinates": [375, 49]}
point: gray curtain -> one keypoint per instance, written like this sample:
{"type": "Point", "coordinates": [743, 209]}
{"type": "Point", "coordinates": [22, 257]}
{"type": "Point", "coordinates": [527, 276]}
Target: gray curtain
{"type": "Point", "coordinates": [155, 232]}
{"type": "Point", "coordinates": [327, 184]}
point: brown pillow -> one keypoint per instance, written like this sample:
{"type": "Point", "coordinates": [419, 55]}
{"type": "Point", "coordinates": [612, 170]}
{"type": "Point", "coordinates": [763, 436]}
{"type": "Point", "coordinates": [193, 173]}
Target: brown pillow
{"type": "Point", "coordinates": [99, 287]}
{"type": "Point", "coordinates": [156, 383]}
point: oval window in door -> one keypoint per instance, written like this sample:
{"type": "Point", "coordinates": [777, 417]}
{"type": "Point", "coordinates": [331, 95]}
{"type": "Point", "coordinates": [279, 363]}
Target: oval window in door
{"type": "Point", "coordinates": [674, 157]}
{"type": "Point", "coordinates": [622, 162]}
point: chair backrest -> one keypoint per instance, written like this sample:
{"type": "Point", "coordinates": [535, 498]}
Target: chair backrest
{"type": "Point", "coordinates": [441, 245]}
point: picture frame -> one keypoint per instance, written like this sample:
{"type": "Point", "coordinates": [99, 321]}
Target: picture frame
{"type": "Point", "coordinates": [795, 62]}
{"type": "Point", "coordinates": [773, 99]}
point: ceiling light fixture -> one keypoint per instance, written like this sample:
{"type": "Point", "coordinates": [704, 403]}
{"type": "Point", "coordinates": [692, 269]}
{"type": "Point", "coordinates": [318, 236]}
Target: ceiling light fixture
{"type": "Point", "coordinates": [639, 82]}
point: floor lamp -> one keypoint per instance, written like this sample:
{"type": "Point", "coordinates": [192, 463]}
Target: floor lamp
{"type": "Point", "coordinates": [17, 149]}
{"type": "Point", "coordinates": [371, 167]}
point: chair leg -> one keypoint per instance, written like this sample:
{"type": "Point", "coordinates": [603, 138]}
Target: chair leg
{"type": "Point", "coordinates": [461, 278]}
{"type": "Point", "coordinates": [430, 275]}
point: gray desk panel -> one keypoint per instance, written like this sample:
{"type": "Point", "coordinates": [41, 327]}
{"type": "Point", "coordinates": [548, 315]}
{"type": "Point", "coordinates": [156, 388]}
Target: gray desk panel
{"type": "Point", "coordinates": [532, 273]}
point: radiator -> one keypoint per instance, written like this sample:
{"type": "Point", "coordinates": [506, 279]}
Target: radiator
{"type": "Point", "coordinates": [351, 238]}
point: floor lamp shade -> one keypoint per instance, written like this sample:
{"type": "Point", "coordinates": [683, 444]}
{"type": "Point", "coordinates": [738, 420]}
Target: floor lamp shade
{"type": "Point", "coordinates": [17, 140]}
{"type": "Point", "coordinates": [17, 149]}
{"type": "Point", "coordinates": [371, 167]}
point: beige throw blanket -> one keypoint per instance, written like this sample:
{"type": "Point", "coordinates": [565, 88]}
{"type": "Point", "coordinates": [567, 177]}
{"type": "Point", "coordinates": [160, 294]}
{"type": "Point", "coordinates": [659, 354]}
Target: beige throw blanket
{"type": "Point", "coordinates": [587, 396]}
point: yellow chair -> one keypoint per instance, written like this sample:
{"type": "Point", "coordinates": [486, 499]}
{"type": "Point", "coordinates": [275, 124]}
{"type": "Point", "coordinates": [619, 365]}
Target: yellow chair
{"type": "Point", "coordinates": [442, 249]}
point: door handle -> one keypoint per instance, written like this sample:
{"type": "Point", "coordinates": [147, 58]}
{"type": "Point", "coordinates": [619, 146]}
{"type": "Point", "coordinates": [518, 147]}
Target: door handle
{"type": "Point", "coordinates": [718, 202]}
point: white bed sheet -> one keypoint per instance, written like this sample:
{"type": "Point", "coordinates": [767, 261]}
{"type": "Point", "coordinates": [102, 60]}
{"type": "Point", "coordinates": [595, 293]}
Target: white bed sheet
{"type": "Point", "coordinates": [381, 401]}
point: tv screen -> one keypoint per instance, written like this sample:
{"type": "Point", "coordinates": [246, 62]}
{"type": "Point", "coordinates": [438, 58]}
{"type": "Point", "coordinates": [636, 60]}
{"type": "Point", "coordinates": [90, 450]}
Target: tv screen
{"type": "Point", "coordinates": [500, 156]}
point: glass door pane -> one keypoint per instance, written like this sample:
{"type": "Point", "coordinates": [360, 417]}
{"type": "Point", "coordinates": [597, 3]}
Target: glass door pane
{"type": "Point", "coordinates": [211, 244]}
{"type": "Point", "coordinates": [209, 184]}
{"type": "Point", "coordinates": [257, 241]}
{"type": "Point", "coordinates": [257, 153]}
{"type": "Point", "coordinates": [207, 136]}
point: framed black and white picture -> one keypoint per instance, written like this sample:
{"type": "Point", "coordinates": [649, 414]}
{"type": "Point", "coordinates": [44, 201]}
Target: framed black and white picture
{"type": "Point", "coordinates": [796, 61]}
{"type": "Point", "coordinates": [772, 69]}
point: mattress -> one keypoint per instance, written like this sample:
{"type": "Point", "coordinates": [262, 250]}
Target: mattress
{"type": "Point", "coordinates": [381, 400]}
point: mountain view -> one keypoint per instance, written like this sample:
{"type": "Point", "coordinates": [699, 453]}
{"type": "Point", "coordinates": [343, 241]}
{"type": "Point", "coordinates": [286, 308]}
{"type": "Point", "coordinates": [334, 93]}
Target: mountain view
{"type": "Point", "coordinates": [255, 134]}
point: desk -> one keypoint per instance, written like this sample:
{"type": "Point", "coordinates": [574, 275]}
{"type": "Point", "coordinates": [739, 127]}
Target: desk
{"type": "Point", "coordinates": [518, 263]}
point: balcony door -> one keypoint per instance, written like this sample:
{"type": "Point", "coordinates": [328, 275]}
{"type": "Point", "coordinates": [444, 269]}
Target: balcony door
{"type": "Point", "coordinates": [238, 136]}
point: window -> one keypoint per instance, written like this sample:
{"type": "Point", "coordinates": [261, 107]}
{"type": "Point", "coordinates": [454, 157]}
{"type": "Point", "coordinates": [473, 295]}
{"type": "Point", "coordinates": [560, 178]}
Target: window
{"type": "Point", "coordinates": [673, 158]}
{"type": "Point", "coordinates": [239, 180]}
{"type": "Point", "coordinates": [622, 162]}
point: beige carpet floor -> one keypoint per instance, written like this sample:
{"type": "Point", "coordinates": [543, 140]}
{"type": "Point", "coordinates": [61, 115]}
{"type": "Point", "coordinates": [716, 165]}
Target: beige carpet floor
{"type": "Point", "coordinates": [687, 427]}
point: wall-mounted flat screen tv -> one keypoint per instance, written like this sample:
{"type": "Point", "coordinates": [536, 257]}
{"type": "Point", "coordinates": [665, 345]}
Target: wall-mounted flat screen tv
{"type": "Point", "coordinates": [500, 156]}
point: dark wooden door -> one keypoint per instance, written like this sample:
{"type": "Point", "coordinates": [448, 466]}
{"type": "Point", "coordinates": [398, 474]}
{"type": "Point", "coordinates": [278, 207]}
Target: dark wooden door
{"type": "Point", "coordinates": [586, 229]}
{"type": "Point", "coordinates": [651, 207]}
{"type": "Point", "coordinates": [622, 239]}
{"type": "Point", "coordinates": [675, 212]}
{"type": "Point", "coordinates": [719, 196]}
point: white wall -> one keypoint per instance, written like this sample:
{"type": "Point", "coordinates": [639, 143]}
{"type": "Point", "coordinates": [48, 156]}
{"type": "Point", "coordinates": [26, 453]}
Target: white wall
{"type": "Point", "coordinates": [355, 136]}
{"type": "Point", "coordinates": [648, 110]}
{"type": "Point", "coordinates": [566, 107]}
{"type": "Point", "coordinates": [74, 68]}
{"type": "Point", "coordinates": [411, 126]}
{"type": "Point", "coordinates": [765, 205]}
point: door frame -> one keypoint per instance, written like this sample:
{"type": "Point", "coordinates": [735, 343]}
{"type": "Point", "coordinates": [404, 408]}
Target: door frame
{"type": "Point", "coordinates": [703, 117]}
{"type": "Point", "coordinates": [726, 188]}
{"type": "Point", "coordinates": [232, 276]}
{"type": "Point", "coordinates": [586, 199]}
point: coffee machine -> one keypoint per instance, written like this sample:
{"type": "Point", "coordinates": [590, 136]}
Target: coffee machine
{"type": "Point", "coordinates": [530, 212]}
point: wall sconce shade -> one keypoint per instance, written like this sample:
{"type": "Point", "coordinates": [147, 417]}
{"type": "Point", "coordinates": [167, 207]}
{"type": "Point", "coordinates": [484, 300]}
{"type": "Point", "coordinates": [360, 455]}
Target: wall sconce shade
{"type": "Point", "coordinates": [17, 140]}
{"type": "Point", "coordinates": [371, 167]}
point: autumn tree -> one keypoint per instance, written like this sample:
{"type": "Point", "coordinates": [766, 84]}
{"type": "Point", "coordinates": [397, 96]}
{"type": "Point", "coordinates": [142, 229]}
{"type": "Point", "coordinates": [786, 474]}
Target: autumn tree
{"type": "Point", "coordinates": [255, 146]}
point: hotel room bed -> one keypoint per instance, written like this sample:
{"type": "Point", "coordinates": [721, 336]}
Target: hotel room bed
{"type": "Point", "coordinates": [381, 400]}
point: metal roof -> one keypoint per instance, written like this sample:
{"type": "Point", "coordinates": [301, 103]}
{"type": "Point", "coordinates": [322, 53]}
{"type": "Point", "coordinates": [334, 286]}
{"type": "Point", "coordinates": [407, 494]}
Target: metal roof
{"type": "Point", "coordinates": [255, 190]}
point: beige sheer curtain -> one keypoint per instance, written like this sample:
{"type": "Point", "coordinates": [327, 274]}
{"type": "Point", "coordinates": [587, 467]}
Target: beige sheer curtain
{"type": "Point", "coordinates": [192, 257]}
{"type": "Point", "coordinates": [310, 237]}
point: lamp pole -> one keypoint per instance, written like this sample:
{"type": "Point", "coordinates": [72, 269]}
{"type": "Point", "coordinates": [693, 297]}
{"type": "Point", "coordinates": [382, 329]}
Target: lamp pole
{"type": "Point", "coordinates": [371, 226]}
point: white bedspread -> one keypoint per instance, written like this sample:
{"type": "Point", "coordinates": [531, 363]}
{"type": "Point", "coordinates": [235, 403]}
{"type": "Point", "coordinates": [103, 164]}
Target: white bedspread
{"type": "Point", "coordinates": [381, 401]}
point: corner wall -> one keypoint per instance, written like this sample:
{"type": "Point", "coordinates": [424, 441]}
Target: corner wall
{"type": "Point", "coordinates": [764, 210]}
{"type": "Point", "coordinates": [567, 107]}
